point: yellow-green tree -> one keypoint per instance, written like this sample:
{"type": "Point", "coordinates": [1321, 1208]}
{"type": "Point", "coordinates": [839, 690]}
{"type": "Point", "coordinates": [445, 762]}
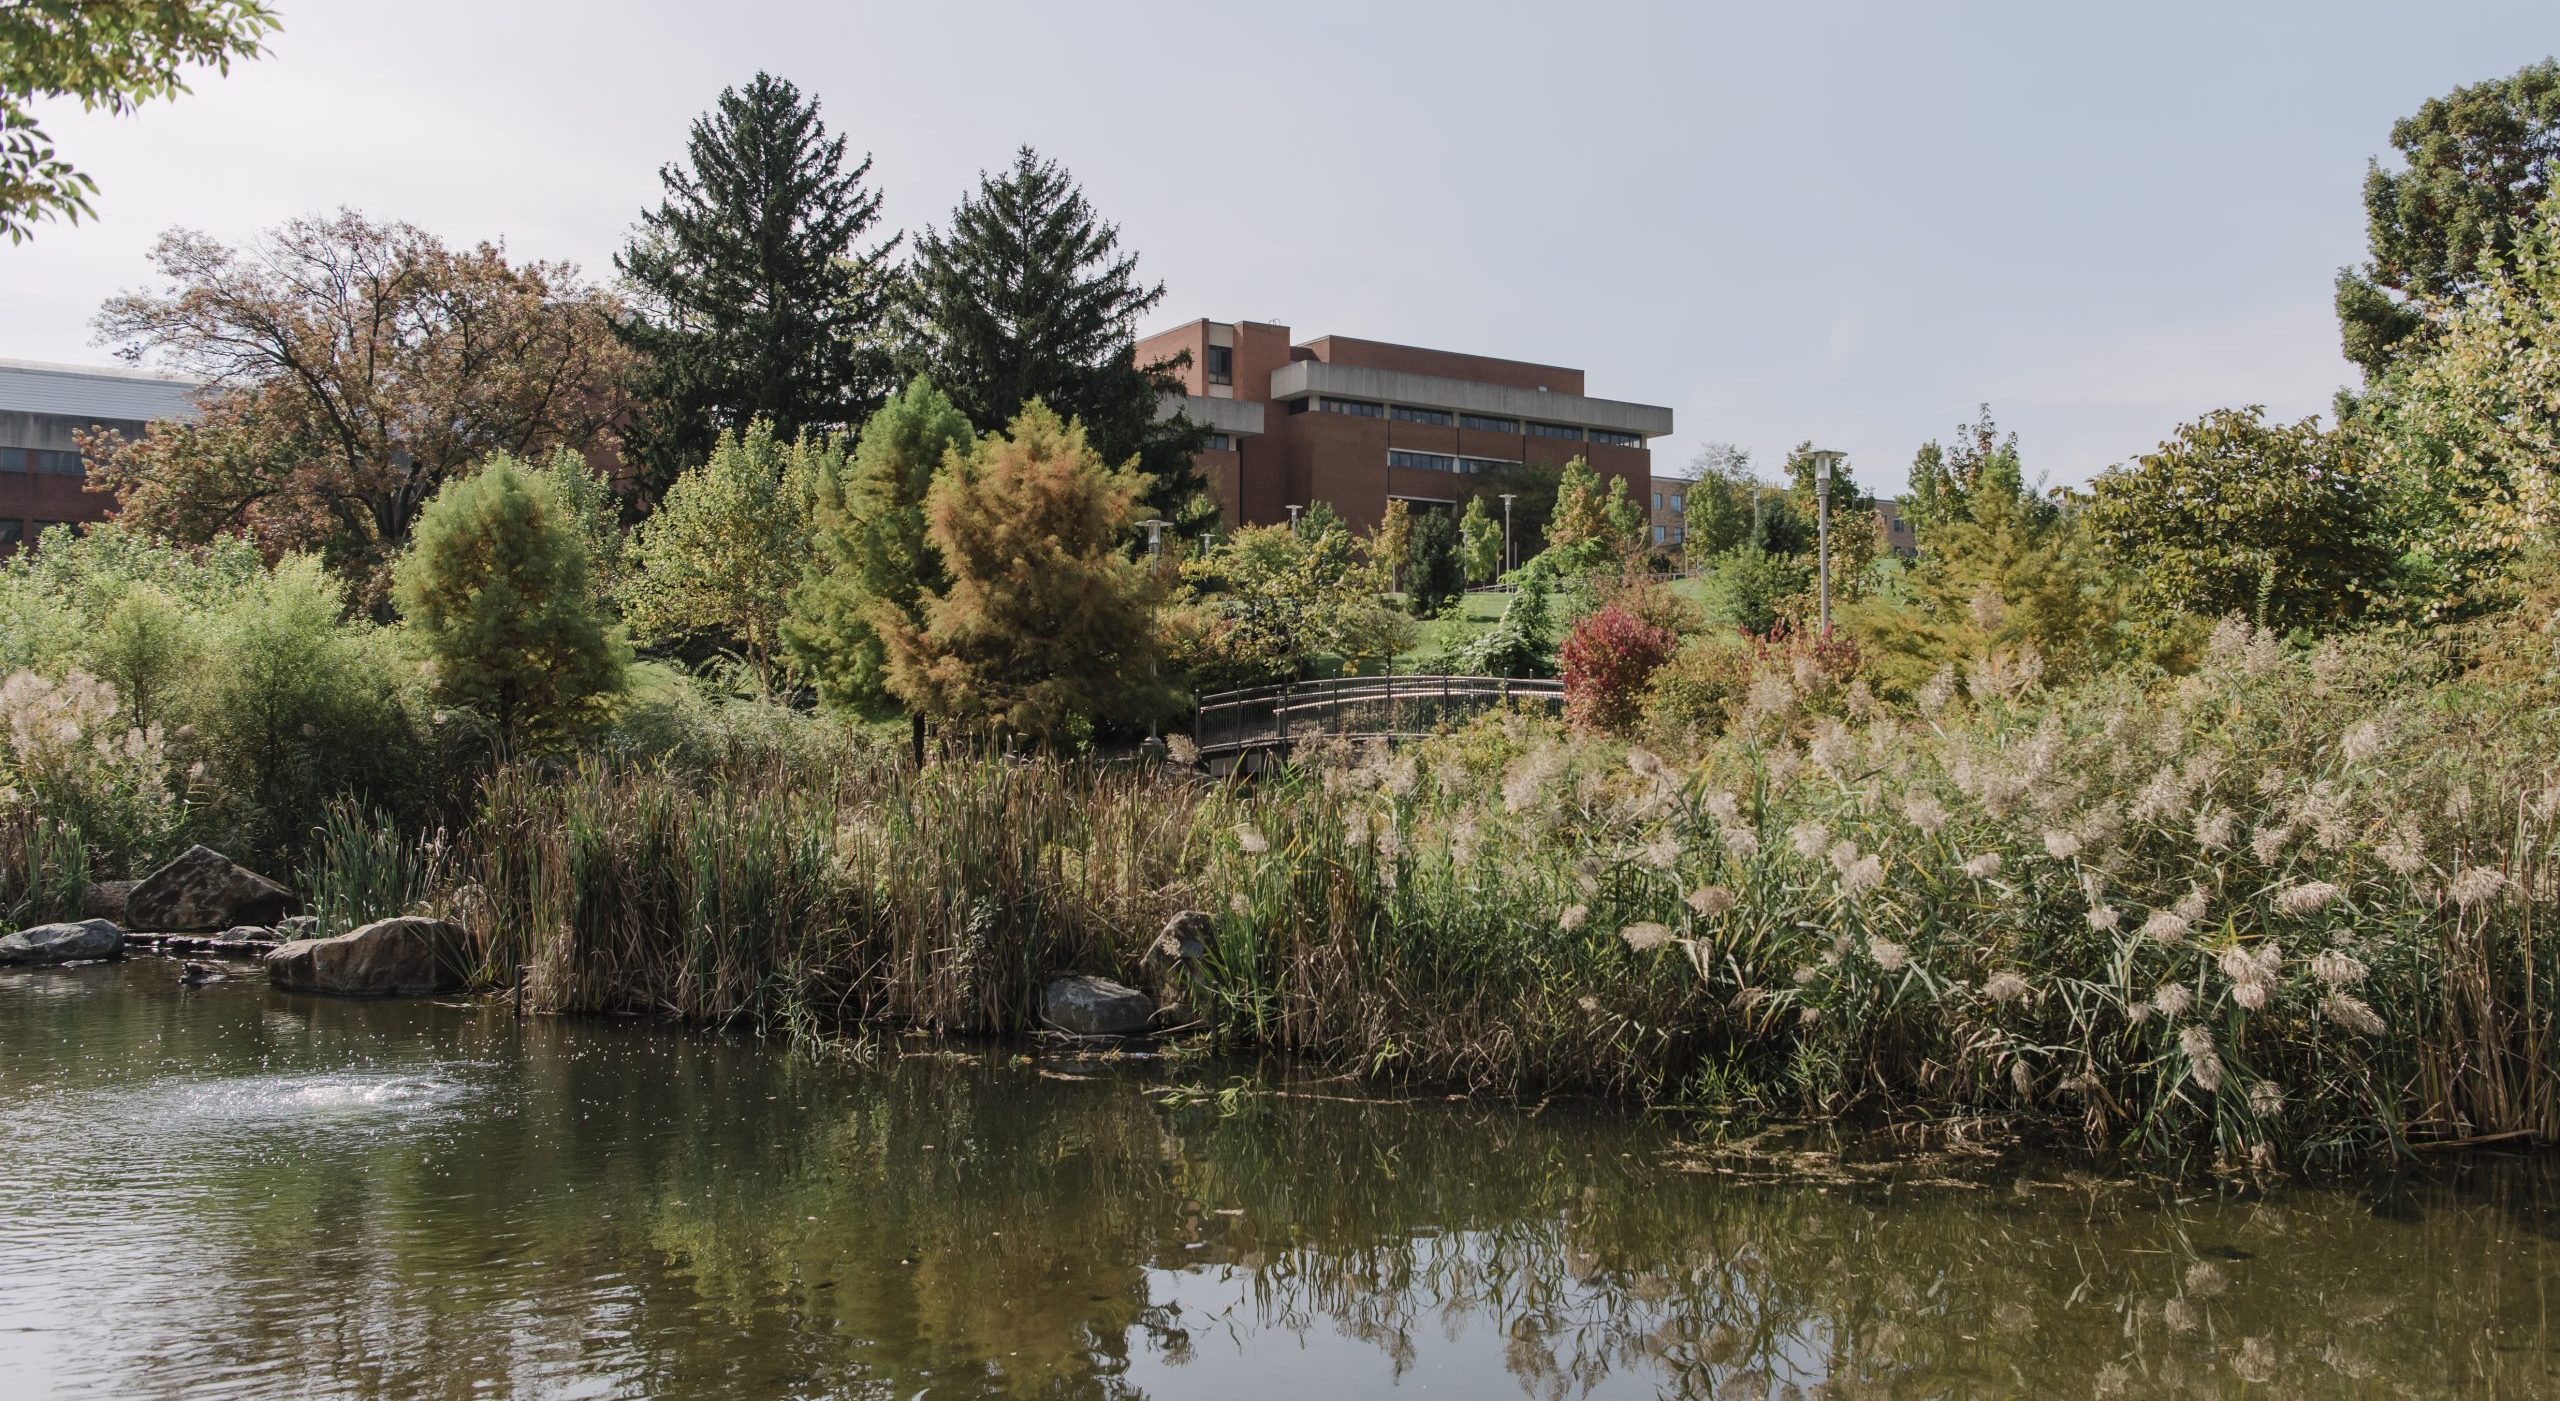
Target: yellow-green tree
{"type": "Point", "coordinates": [1479, 542]}
{"type": "Point", "coordinates": [1391, 544]}
{"type": "Point", "coordinates": [1593, 524]}
{"type": "Point", "coordinates": [718, 559]}
{"type": "Point", "coordinates": [495, 586]}
{"type": "Point", "coordinates": [1047, 625]}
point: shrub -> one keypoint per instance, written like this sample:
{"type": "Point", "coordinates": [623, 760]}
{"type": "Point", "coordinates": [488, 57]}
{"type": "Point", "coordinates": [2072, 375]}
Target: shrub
{"type": "Point", "coordinates": [1438, 576]}
{"type": "Point", "coordinates": [77, 779]}
{"type": "Point", "coordinates": [1608, 659]}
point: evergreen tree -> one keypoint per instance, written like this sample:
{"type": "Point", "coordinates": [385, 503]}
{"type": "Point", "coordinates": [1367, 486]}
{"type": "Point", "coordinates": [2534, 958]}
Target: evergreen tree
{"type": "Point", "coordinates": [868, 550]}
{"type": "Point", "coordinates": [1027, 295]}
{"type": "Point", "coordinates": [1944, 480]}
{"type": "Point", "coordinates": [1438, 577]}
{"type": "Point", "coordinates": [1479, 542]}
{"type": "Point", "coordinates": [1047, 625]}
{"type": "Point", "coordinates": [717, 560]}
{"type": "Point", "coordinates": [495, 584]}
{"type": "Point", "coordinates": [755, 301]}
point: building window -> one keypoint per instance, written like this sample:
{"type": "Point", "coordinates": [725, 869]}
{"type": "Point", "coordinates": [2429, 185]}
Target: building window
{"type": "Point", "coordinates": [1357, 408]}
{"type": "Point", "coordinates": [1679, 503]}
{"type": "Point", "coordinates": [1421, 461]}
{"type": "Point", "coordinates": [1657, 535]}
{"type": "Point", "coordinates": [1482, 424]}
{"type": "Point", "coordinates": [1679, 535]}
{"type": "Point", "coordinates": [12, 532]}
{"type": "Point", "coordinates": [1477, 466]}
{"type": "Point", "coordinates": [1297, 406]}
{"type": "Point", "coordinates": [1222, 364]}
{"type": "Point", "coordinates": [1555, 430]}
{"type": "Point", "coordinates": [1657, 501]}
{"type": "Point", "coordinates": [1220, 442]}
{"type": "Point", "coordinates": [1406, 413]}
{"type": "Point", "coordinates": [1617, 440]}
{"type": "Point", "coordinates": [61, 462]}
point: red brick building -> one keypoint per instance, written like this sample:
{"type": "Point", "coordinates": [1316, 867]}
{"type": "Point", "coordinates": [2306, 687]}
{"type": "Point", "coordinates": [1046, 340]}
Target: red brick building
{"type": "Point", "coordinates": [42, 479]}
{"type": "Point", "coordinates": [1355, 423]}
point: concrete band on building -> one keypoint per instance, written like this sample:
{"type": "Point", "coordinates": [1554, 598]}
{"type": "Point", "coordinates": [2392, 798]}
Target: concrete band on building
{"type": "Point", "coordinates": [43, 408]}
{"type": "Point", "coordinates": [1356, 423]}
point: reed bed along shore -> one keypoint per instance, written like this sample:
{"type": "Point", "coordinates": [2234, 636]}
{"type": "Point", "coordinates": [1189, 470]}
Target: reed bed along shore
{"type": "Point", "coordinates": [2294, 907]}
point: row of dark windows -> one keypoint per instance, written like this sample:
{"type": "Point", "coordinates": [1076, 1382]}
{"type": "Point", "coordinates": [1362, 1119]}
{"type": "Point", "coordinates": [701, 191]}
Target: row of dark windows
{"type": "Point", "coordinates": [1440, 418]}
{"type": "Point", "coordinates": [1444, 462]}
{"type": "Point", "coordinates": [1222, 364]}
{"type": "Point", "coordinates": [60, 462]}
{"type": "Point", "coordinates": [14, 533]}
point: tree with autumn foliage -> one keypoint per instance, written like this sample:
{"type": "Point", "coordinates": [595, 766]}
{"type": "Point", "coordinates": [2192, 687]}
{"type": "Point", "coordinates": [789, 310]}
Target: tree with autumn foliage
{"type": "Point", "coordinates": [1047, 625]}
{"type": "Point", "coordinates": [353, 368]}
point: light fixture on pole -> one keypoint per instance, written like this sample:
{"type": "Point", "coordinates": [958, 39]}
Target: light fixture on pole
{"type": "Point", "coordinates": [1155, 568]}
{"type": "Point", "coordinates": [1155, 537]}
{"type": "Point", "coordinates": [1825, 463]}
{"type": "Point", "coordinates": [1508, 563]}
{"type": "Point", "coordinates": [1293, 518]}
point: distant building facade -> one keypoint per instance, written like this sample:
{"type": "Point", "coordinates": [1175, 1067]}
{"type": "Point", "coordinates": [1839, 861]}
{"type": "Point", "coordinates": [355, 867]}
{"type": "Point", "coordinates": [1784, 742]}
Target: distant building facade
{"type": "Point", "coordinates": [1357, 423]}
{"type": "Point", "coordinates": [1894, 529]}
{"type": "Point", "coordinates": [1669, 514]}
{"type": "Point", "coordinates": [42, 407]}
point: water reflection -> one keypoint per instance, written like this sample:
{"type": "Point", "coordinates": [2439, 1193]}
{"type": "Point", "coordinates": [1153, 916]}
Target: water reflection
{"type": "Point", "coordinates": [228, 1192]}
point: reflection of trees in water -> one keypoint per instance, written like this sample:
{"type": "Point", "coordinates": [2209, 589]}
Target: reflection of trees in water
{"type": "Point", "coordinates": [671, 1214]}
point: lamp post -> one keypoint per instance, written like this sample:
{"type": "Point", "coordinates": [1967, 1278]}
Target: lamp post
{"type": "Point", "coordinates": [1508, 563]}
{"type": "Point", "coordinates": [1825, 462]}
{"type": "Point", "coordinates": [1155, 539]}
{"type": "Point", "coordinates": [1155, 570]}
{"type": "Point", "coordinates": [1293, 518]}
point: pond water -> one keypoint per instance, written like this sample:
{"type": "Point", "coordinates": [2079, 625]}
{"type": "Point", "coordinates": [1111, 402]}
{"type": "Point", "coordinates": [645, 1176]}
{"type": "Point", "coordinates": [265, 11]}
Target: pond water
{"type": "Point", "coordinates": [225, 1191]}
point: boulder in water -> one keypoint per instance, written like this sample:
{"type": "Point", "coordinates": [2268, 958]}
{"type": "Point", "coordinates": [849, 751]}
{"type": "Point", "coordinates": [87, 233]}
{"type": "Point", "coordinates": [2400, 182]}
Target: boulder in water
{"type": "Point", "coordinates": [1089, 1006]}
{"type": "Point", "coordinates": [203, 891]}
{"type": "Point", "coordinates": [406, 956]}
{"type": "Point", "coordinates": [63, 943]}
{"type": "Point", "coordinates": [105, 899]}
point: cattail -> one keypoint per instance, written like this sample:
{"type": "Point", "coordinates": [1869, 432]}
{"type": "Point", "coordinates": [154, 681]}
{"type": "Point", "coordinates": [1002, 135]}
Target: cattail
{"type": "Point", "coordinates": [2337, 967]}
{"type": "Point", "coordinates": [1810, 839]}
{"type": "Point", "coordinates": [2061, 845]}
{"type": "Point", "coordinates": [2021, 1079]}
{"type": "Point", "coordinates": [2164, 926]}
{"type": "Point", "coordinates": [1889, 956]}
{"type": "Point", "coordinates": [1251, 839]}
{"type": "Point", "coordinates": [1983, 867]}
{"type": "Point", "coordinates": [2352, 1013]}
{"type": "Point", "coordinates": [2173, 999]}
{"type": "Point", "coordinates": [2308, 898]}
{"type": "Point", "coordinates": [1924, 811]}
{"type": "Point", "coordinates": [2004, 987]}
{"type": "Point", "coordinates": [2476, 885]}
{"type": "Point", "coordinates": [2204, 1061]}
{"type": "Point", "coordinates": [1645, 937]}
{"type": "Point", "coordinates": [1573, 917]}
{"type": "Point", "coordinates": [1711, 901]}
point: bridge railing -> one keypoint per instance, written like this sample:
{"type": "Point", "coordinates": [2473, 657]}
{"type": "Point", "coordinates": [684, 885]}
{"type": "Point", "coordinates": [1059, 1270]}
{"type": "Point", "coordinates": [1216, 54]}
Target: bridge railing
{"type": "Point", "coordinates": [1351, 707]}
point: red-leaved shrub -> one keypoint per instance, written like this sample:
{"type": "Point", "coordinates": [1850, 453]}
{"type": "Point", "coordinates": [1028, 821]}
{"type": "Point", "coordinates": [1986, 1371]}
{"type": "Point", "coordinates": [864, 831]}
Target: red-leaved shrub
{"type": "Point", "coordinates": [1608, 658]}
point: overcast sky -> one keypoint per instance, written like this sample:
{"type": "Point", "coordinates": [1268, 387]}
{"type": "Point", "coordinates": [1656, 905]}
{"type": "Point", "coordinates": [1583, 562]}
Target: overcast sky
{"type": "Point", "coordinates": [1847, 222]}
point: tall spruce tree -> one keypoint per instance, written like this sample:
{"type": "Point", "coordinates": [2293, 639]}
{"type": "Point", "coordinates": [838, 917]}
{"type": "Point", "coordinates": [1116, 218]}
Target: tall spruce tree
{"type": "Point", "coordinates": [1028, 296]}
{"type": "Point", "coordinates": [753, 299]}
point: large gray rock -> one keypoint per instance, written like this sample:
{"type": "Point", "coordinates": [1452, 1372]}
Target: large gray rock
{"type": "Point", "coordinates": [106, 899]}
{"type": "Point", "coordinates": [203, 891]}
{"type": "Point", "coordinates": [407, 956]}
{"type": "Point", "coordinates": [63, 943]}
{"type": "Point", "coordinates": [1089, 1006]}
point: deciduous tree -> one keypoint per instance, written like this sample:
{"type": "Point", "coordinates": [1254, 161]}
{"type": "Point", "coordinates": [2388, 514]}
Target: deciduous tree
{"type": "Point", "coordinates": [756, 295]}
{"type": "Point", "coordinates": [495, 586]}
{"type": "Point", "coordinates": [1048, 624]}
{"type": "Point", "coordinates": [354, 367]}
{"type": "Point", "coordinates": [869, 556]}
{"type": "Point", "coordinates": [717, 560]}
{"type": "Point", "coordinates": [115, 54]}
{"type": "Point", "coordinates": [1479, 542]}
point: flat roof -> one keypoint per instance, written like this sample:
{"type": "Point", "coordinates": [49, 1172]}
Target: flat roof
{"type": "Point", "coordinates": [95, 391]}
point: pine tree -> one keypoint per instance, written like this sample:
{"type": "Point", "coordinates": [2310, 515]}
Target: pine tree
{"type": "Point", "coordinates": [1027, 295]}
{"type": "Point", "coordinates": [495, 584]}
{"type": "Point", "coordinates": [1048, 625]}
{"type": "Point", "coordinates": [1438, 577]}
{"type": "Point", "coordinates": [755, 300]}
{"type": "Point", "coordinates": [868, 549]}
